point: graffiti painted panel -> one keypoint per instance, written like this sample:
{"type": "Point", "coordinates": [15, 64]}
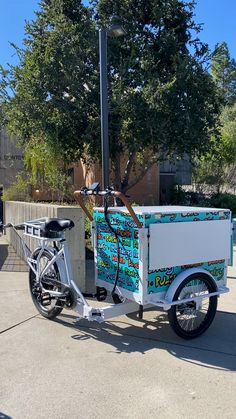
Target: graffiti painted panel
{"type": "Point", "coordinates": [107, 258]}
{"type": "Point", "coordinates": [186, 216]}
{"type": "Point", "coordinates": [160, 280]}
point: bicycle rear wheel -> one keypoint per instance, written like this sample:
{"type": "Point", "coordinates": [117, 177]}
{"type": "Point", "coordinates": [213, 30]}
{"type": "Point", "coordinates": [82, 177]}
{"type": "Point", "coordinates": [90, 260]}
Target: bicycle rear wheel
{"type": "Point", "coordinates": [55, 307]}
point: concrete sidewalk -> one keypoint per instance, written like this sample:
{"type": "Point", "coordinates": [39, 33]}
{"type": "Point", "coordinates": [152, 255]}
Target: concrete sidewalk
{"type": "Point", "coordinates": [127, 368]}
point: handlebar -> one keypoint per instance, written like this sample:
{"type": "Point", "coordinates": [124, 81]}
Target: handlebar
{"type": "Point", "coordinates": [16, 226]}
{"type": "Point", "coordinates": [108, 192]}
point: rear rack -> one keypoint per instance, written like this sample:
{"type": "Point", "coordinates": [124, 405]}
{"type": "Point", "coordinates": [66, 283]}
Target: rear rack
{"type": "Point", "coordinates": [34, 229]}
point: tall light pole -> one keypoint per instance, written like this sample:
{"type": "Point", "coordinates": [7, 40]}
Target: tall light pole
{"type": "Point", "coordinates": [114, 30]}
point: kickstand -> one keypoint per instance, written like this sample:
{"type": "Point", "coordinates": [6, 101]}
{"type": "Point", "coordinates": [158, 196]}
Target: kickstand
{"type": "Point", "coordinates": [140, 312]}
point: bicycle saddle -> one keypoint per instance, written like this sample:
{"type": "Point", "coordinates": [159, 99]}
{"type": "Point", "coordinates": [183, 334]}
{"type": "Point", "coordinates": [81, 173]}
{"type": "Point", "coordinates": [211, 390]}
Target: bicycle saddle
{"type": "Point", "coordinates": [57, 225]}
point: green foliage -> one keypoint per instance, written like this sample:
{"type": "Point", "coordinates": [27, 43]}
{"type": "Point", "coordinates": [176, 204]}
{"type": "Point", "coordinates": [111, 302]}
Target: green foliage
{"type": "Point", "coordinates": [47, 168]}
{"type": "Point", "coordinates": [177, 195]}
{"type": "Point", "coordinates": [216, 170]}
{"type": "Point", "coordinates": [227, 201]}
{"type": "Point", "coordinates": [216, 200]}
{"type": "Point", "coordinates": [162, 101]}
{"type": "Point", "coordinates": [19, 191]}
{"type": "Point", "coordinates": [223, 70]}
{"type": "Point", "coordinates": [50, 96]}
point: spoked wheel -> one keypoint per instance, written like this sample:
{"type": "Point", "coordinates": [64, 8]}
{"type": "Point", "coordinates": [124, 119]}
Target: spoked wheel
{"type": "Point", "coordinates": [50, 308]}
{"type": "Point", "coordinates": [189, 320]}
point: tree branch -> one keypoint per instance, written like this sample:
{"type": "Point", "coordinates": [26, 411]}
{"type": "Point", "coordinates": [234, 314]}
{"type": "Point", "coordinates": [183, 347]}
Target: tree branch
{"type": "Point", "coordinates": [144, 170]}
{"type": "Point", "coordinates": [129, 165]}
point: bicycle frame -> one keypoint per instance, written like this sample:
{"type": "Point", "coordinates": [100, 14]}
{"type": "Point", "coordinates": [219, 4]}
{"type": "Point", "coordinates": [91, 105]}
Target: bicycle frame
{"type": "Point", "coordinates": [138, 281]}
{"type": "Point", "coordinates": [60, 256]}
{"type": "Point", "coordinates": [62, 259]}
{"type": "Point", "coordinates": [83, 308]}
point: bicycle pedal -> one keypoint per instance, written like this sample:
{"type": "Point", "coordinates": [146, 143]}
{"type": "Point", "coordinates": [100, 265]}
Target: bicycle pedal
{"type": "Point", "coordinates": [101, 293]}
{"type": "Point", "coordinates": [45, 299]}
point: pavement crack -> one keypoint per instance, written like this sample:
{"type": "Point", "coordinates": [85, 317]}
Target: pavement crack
{"type": "Point", "coordinates": [17, 324]}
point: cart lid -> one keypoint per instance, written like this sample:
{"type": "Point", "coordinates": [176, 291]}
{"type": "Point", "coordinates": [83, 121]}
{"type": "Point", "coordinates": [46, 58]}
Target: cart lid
{"type": "Point", "coordinates": [165, 209]}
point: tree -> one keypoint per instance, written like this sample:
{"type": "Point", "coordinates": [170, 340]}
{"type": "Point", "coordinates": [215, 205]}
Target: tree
{"type": "Point", "coordinates": [216, 171]}
{"type": "Point", "coordinates": [223, 70]}
{"type": "Point", "coordinates": [162, 101]}
{"type": "Point", "coordinates": [54, 83]}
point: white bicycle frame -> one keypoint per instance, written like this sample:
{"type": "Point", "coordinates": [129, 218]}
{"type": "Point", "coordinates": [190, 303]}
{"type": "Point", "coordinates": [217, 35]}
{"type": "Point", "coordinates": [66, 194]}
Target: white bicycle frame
{"type": "Point", "coordinates": [62, 259]}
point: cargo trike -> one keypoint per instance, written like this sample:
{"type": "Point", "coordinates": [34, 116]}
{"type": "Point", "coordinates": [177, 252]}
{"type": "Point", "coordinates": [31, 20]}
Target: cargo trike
{"type": "Point", "coordinates": [171, 257]}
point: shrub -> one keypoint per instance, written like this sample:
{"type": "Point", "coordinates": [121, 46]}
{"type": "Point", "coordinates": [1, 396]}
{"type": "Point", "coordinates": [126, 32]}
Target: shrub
{"type": "Point", "coordinates": [224, 200]}
{"type": "Point", "coordinates": [18, 191]}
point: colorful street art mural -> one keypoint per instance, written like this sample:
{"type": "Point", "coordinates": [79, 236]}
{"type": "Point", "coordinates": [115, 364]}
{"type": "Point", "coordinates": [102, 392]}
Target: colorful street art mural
{"type": "Point", "coordinates": [159, 280]}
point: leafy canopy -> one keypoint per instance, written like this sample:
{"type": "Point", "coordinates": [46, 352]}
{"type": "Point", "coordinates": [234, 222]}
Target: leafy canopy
{"type": "Point", "coordinates": [223, 70]}
{"type": "Point", "coordinates": [162, 100]}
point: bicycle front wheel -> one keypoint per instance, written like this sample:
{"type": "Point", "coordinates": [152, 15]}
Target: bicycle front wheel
{"type": "Point", "coordinates": [54, 308]}
{"type": "Point", "coordinates": [189, 320]}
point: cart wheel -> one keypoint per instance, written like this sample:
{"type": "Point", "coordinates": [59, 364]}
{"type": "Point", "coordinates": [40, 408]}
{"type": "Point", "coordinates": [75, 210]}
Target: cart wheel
{"type": "Point", "coordinates": [189, 320]}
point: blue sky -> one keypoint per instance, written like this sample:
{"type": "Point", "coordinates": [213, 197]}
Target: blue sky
{"type": "Point", "coordinates": [218, 16]}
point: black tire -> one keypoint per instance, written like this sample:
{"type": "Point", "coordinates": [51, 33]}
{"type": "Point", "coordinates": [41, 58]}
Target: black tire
{"type": "Point", "coordinates": [56, 306]}
{"type": "Point", "coordinates": [183, 317]}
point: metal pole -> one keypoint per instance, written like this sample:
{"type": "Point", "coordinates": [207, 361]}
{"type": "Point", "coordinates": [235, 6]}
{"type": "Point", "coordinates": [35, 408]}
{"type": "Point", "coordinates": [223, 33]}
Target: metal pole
{"type": "Point", "coordinates": [104, 106]}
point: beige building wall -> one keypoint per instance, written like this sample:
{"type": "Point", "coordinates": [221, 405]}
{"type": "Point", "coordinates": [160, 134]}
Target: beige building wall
{"type": "Point", "coordinates": [11, 162]}
{"type": "Point", "coordinates": [145, 192]}
{"type": "Point", "coordinates": [18, 212]}
{"type": "Point", "coordinates": [11, 159]}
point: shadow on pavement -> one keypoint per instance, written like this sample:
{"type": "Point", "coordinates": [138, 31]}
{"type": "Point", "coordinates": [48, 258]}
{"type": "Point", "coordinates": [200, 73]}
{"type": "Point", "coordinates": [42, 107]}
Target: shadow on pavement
{"type": "Point", "coordinates": [2, 416]}
{"type": "Point", "coordinates": [3, 256]}
{"type": "Point", "coordinates": [215, 349]}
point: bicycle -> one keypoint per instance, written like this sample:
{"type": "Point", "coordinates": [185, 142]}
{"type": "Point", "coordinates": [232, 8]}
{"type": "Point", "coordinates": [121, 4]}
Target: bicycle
{"type": "Point", "coordinates": [189, 297]}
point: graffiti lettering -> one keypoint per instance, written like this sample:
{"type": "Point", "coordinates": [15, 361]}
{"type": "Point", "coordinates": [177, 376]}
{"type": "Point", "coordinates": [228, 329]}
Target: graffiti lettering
{"type": "Point", "coordinates": [102, 246]}
{"type": "Point", "coordinates": [126, 242]}
{"type": "Point", "coordinates": [125, 252]}
{"type": "Point", "coordinates": [104, 264]}
{"type": "Point", "coordinates": [189, 214]}
{"type": "Point", "coordinates": [111, 277]}
{"type": "Point", "coordinates": [194, 265]}
{"type": "Point", "coordinates": [133, 274]}
{"type": "Point", "coordinates": [104, 228]}
{"type": "Point", "coordinates": [215, 262]}
{"type": "Point", "coordinates": [115, 259]}
{"type": "Point", "coordinates": [130, 223]}
{"type": "Point", "coordinates": [166, 280]}
{"type": "Point", "coordinates": [163, 270]}
{"type": "Point", "coordinates": [217, 272]}
{"type": "Point", "coordinates": [133, 264]}
{"type": "Point", "coordinates": [110, 239]}
{"type": "Point", "coordinates": [124, 233]}
{"type": "Point", "coordinates": [172, 216]}
{"type": "Point", "coordinates": [212, 213]}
